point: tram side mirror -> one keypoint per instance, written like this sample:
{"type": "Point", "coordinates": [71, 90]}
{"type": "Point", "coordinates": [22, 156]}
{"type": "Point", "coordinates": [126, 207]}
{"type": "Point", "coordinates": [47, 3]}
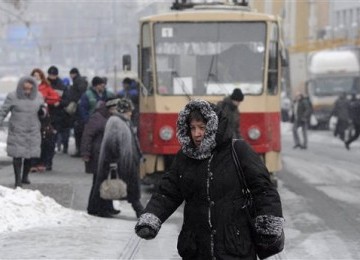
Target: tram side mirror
{"type": "Point", "coordinates": [126, 62]}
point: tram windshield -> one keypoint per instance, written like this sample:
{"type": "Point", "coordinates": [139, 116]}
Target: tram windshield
{"type": "Point", "coordinates": [210, 58]}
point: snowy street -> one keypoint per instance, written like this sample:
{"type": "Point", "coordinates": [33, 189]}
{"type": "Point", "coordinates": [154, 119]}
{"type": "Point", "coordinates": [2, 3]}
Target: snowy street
{"type": "Point", "coordinates": [319, 188]}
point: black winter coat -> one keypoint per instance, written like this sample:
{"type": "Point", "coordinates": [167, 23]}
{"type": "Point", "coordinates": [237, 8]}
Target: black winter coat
{"type": "Point", "coordinates": [354, 111]}
{"type": "Point", "coordinates": [92, 137]}
{"type": "Point", "coordinates": [78, 88]}
{"type": "Point", "coordinates": [59, 118]}
{"type": "Point", "coordinates": [215, 223]}
{"type": "Point", "coordinates": [301, 111]}
{"type": "Point", "coordinates": [341, 109]}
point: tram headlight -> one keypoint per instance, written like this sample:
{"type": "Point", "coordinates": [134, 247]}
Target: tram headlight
{"type": "Point", "coordinates": [166, 133]}
{"type": "Point", "coordinates": [254, 133]}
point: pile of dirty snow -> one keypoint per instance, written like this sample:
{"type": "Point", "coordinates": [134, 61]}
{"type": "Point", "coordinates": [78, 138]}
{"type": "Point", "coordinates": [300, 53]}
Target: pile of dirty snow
{"type": "Point", "coordinates": [23, 209]}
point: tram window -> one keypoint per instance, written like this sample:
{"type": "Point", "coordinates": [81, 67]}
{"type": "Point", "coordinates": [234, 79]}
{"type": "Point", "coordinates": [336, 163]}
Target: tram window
{"type": "Point", "coordinates": [273, 71]}
{"type": "Point", "coordinates": [146, 54]}
{"type": "Point", "coordinates": [209, 58]}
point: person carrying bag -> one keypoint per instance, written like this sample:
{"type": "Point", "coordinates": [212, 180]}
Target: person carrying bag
{"type": "Point", "coordinates": [113, 188]}
{"type": "Point", "coordinates": [204, 176]}
{"type": "Point", "coordinates": [267, 242]}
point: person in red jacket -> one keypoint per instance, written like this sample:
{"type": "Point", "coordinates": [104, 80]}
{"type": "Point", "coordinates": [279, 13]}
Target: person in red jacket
{"type": "Point", "coordinates": [52, 99]}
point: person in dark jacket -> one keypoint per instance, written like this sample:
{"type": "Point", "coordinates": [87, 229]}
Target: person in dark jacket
{"type": "Point", "coordinates": [48, 132]}
{"type": "Point", "coordinates": [76, 90]}
{"type": "Point", "coordinates": [90, 151]}
{"type": "Point", "coordinates": [120, 146]}
{"type": "Point", "coordinates": [131, 91]}
{"type": "Point", "coordinates": [60, 120]}
{"type": "Point", "coordinates": [300, 117]}
{"type": "Point", "coordinates": [204, 175]}
{"type": "Point", "coordinates": [230, 108]}
{"type": "Point", "coordinates": [341, 111]}
{"type": "Point", "coordinates": [93, 95]}
{"type": "Point", "coordinates": [25, 104]}
{"type": "Point", "coordinates": [354, 112]}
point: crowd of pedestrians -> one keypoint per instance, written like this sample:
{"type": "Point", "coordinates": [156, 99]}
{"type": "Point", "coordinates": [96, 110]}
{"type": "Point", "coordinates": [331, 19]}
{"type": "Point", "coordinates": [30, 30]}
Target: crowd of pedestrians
{"type": "Point", "coordinates": [345, 113]}
{"type": "Point", "coordinates": [46, 109]}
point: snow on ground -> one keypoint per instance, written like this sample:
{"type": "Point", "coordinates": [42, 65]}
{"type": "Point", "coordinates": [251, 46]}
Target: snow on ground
{"type": "Point", "coordinates": [3, 137]}
{"type": "Point", "coordinates": [24, 209]}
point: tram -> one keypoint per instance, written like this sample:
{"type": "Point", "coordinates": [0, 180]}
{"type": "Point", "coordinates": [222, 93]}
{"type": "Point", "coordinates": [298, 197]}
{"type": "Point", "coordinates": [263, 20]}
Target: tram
{"type": "Point", "coordinates": [201, 50]}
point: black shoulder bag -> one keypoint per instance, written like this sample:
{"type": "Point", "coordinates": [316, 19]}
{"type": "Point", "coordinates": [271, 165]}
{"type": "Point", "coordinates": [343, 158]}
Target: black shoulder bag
{"type": "Point", "coordinates": [264, 246]}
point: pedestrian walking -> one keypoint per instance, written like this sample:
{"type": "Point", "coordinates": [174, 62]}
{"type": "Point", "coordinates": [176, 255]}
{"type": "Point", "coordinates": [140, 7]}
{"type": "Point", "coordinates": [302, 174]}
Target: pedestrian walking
{"type": "Point", "coordinates": [48, 132]}
{"type": "Point", "coordinates": [301, 112]}
{"type": "Point", "coordinates": [120, 146]}
{"type": "Point", "coordinates": [76, 90]}
{"type": "Point", "coordinates": [230, 107]}
{"type": "Point", "coordinates": [205, 176]}
{"type": "Point", "coordinates": [354, 113]}
{"type": "Point", "coordinates": [26, 104]}
{"type": "Point", "coordinates": [341, 112]}
{"type": "Point", "coordinates": [60, 120]}
{"type": "Point", "coordinates": [90, 151]}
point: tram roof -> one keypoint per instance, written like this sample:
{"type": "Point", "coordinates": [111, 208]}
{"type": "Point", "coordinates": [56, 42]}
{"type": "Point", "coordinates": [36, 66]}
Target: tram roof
{"type": "Point", "coordinates": [213, 14]}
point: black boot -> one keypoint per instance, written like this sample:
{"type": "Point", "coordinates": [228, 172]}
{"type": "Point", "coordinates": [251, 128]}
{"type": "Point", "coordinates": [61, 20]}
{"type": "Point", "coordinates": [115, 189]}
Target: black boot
{"type": "Point", "coordinates": [17, 162]}
{"type": "Point", "coordinates": [26, 169]}
{"type": "Point", "coordinates": [138, 207]}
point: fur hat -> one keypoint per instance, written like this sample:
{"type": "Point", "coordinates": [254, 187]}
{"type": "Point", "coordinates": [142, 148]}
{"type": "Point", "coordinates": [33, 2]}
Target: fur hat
{"type": "Point", "coordinates": [53, 71]}
{"type": "Point", "coordinates": [112, 102]}
{"type": "Point", "coordinates": [237, 95]}
{"type": "Point", "coordinates": [124, 105]}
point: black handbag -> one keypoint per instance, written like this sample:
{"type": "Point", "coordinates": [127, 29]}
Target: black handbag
{"type": "Point", "coordinates": [265, 245]}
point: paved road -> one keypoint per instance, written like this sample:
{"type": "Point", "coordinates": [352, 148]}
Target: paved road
{"type": "Point", "coordinates": [320, 188]}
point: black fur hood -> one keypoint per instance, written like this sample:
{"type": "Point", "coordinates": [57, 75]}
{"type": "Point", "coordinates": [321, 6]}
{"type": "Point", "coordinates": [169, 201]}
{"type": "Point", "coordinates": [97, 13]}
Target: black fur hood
{"type": "Point", "coordinates": [209, 142]}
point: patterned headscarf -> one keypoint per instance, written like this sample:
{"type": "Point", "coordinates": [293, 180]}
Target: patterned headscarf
{"type": "Point", "coordinates": [208, 143]}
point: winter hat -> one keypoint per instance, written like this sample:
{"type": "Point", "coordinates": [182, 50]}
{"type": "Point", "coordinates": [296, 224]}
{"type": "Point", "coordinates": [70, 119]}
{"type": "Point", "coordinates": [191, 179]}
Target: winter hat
{"type": "Point", "coordinates": [124, 105]}
{"type": "Point", "coordinates": [182, 131]}
{"type": "Point", "coordinates": [53, 71]}
{"type": "Point", "coordinates": [74, 71]}
{"type": "Point", "coordinates": [97, 81]}
{"type": "Point", "coordinates": [112, 102]}
{"type": "Point", "coordinates": [237, 95]}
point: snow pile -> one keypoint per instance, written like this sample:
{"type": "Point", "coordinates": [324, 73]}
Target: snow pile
{"type": "Point", "coordinates": [24, 209]}
{"type": "Point", "coordinates": [3, 137]}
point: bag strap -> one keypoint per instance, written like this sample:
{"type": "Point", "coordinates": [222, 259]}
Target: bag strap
{"type": "Point", "coordinates": [245, 190]}
{"type": "Point", "coordinates": [113, 168]}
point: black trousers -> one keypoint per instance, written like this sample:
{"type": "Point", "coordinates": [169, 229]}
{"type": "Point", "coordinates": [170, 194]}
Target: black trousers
{"type": "Point", "coordinates": [356, 135]}
{"type": "Point", "coordinates": [96, 204]}
{"type": "Point", "coordinates": [78, 131]}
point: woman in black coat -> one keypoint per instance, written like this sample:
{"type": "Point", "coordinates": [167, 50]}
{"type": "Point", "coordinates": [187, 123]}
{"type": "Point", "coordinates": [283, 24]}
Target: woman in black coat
{"type": "Point", "coordinates": [90, 151]}
{"type": "Point", "coordinates": [120, 147]}
{"type": "Point", "coordinates": [204, 175]}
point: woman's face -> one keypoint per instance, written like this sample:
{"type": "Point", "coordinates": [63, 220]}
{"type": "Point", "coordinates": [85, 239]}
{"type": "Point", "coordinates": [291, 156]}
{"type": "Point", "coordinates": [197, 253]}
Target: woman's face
{"type": "Point", "coordinates": [27, 87]}
{"type": "Point", "coordinates": [37, 76]}
{"type": "Point", "coordinates": [197, 129]}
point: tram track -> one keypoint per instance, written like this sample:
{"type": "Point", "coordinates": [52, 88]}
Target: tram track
{"type": "Point", "coordinates": [131, 248]}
